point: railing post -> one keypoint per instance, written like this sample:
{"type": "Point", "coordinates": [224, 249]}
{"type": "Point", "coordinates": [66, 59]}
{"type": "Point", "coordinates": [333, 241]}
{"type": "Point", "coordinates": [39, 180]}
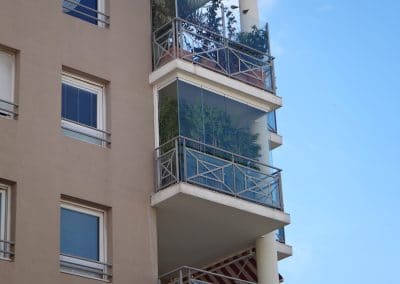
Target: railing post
{"type": "Point", "coordinates": [177, 163]}
{"type": "Point", "coordinates": [180, 277]}
{"type": "Point", "coordinates": [157, 169]}
{"type": "Point", "coordinates": [184, 159]}
{"type": "Point", "coordinates": [175, 38]}
{"type": "Point", "coordinates": [234, 175]}
{"type": "Point", "coordinates": [280, 191]}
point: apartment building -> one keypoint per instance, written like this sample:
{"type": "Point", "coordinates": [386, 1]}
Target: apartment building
{"type": "Point", "coordinates": [136, 143]}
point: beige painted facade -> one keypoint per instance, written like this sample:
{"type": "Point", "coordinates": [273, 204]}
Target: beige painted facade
{"type": "Point", "coordinates": [42, 164]}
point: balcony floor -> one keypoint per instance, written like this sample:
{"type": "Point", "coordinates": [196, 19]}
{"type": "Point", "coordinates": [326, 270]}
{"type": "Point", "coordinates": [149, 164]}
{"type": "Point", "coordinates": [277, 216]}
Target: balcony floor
{"type": "Point", "coordinates": [197, 226]}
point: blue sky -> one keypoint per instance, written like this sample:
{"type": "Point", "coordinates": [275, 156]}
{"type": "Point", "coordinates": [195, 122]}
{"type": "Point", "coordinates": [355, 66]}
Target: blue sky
{"type": "Point", "coordinates": [337, 67]}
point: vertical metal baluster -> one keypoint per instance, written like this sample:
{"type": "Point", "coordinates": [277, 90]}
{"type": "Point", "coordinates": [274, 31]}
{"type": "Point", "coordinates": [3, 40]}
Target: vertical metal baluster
{"type": "Point", "coordinates": [175, 39]}
{"type": "Point", "coordinates": [234, 175]}
{"type": "Point", "coordinates": [184, 160]}
{"type": "Point", "coordinates": [180, 277]}
{"type": "Point", "coordinates": [177, 164]}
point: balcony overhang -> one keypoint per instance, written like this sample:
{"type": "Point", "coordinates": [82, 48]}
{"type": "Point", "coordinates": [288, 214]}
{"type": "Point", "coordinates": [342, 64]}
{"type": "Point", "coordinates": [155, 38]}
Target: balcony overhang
{"type": "Point", "coordinates": [283, 250]}
{"type": "Point", "coordinates": [275, 140]}
{"type": "Point", "coordinates": [223, 84]}
{"type": "Point", "coordinates": [197, 226]}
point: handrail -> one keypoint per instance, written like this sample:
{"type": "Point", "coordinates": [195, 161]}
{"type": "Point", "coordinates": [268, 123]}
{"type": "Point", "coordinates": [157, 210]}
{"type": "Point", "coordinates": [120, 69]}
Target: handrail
{"type": "Point", "coordinates": [7, 102]}
{"type": "Point", "coordinates": [219, 149]}
{"type": "Point", "coordinates": [86, 259]}
{"type": "Point", "coordinates": [197, 270]}
{"type": "Point", "coordinates": [10, 108]}
{"type": "Point", "coordinates": [86, 126]}
{"type": "Point", "coordinates": [105, 134]}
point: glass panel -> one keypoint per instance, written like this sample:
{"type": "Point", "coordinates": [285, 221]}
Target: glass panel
{"type": "Point", "coordinates": [81, 12]}
{"type": "Point", "coordinates": [79, 234]}
{"type": "Point", "coordinates": [168, 113]}
{"type": "Point", "coordinates": [79, 105]}
{"type": "Point", "coordinates": [218, 121]}
{"type": "Point", "coordinates": [191, 119]}
{"type": "Point", "coordinates": [272, 122]}
{"type": "Point", "coordinates": [6, 76]}
{"type": "Point", "coordinates": [163, 11]}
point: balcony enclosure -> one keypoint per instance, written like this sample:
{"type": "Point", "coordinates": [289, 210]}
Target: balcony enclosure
{"type": "Point", "coordinates": [215, 142]}
{"type": "Point", "coordinates": [208, 33]}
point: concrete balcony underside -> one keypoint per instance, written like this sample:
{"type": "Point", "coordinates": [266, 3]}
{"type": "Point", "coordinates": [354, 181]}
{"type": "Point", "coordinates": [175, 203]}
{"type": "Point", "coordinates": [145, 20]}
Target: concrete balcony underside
{"type": "Point", "coordinates": [201, 76]}
{"type": "Point", "coordinates": [197, 226]}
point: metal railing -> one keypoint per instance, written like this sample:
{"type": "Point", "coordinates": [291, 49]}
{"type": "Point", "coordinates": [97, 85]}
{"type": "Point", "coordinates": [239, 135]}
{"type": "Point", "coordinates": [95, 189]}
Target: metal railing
{"type": "Point", "coordinates": [190, 275]}
{"type": "Point", "coordinates": [280, 235]}
{"type": "Point", "coordinates": [7, 249]}
{"type": "Point", "coordinates": [85, 12]}
{"type": "Point", "coordinates": [8, 109]}
{"type": "Point", "coordinates": [182, 39]}
{"type": "Point", "coordinates": [186, 160]}
{"type": "Point", "coordinates": [85, 267]}
{"type": "Point", "coordinates": [85, 132]}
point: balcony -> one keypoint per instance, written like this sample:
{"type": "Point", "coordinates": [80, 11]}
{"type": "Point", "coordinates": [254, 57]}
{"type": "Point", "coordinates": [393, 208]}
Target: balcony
{"type": "Point", "coordinates": [211, 202]}
{"type": "Point", "coordinates": [181, 39]}
{"type": "Point", "coordinates": [186, 160]}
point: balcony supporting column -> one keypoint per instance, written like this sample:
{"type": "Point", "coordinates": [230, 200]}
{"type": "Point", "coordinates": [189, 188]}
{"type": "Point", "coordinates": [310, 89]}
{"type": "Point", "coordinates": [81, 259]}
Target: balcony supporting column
{"type": "Point", "coordinates": [249, 14]}
{"type": "Point", "coordinates": [267, 260]}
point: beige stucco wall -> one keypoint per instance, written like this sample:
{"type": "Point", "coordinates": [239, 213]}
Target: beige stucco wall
{"type": "Point", "coordinates": [45, 164]}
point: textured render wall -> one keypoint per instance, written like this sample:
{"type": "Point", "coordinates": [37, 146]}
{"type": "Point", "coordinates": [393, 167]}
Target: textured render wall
{"type": "Point", "coordinates": [45, 164]}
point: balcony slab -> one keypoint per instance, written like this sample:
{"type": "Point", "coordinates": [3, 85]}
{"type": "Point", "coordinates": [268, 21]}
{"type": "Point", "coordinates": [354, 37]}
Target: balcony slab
{"type": "Point", "coordinates": [284, 250]}
{"type": "Point", "coordinates": [220, 83]}
{"type": "Point", "coordinates": [197, 226]}
{"type": "Point", "coordinates": [276, 140]}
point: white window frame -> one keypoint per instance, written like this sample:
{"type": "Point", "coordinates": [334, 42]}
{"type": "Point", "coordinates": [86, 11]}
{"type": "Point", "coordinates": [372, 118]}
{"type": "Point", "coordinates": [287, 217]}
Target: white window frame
{"type": "Point", "coordinates": [99, 90]}
{"type": "Point", "coordinates": [5, 201]}
{"type": "Point", "coordinates": [100, 264]}
{"type": "Point", "coordinates": [12, 95]}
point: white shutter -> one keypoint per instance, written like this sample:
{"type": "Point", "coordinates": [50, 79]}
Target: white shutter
{"type": "Point", "coordinates": [7, 62]}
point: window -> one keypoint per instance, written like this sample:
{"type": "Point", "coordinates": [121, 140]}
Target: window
{"type": "Point", "coordinates": [83, 248]}
{"type": "Point", "coordinates": [7, 73]}
{"type": "Point", "coordinates": [92, 11]}
{"type": "Point", "coordinates": [83, 110]}
{"type": "Point", "coordinates": [6, 246]}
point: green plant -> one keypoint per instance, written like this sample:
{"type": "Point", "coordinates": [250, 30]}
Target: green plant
{"type": "Point", "coordinates": [214, 126]}
{"type": "Point", "coordinates": [256, 39]}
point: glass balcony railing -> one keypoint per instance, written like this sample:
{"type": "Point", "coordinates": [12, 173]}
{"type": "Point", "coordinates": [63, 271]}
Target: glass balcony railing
{"type": "Point", "coordinates": [190, 275]}
{"type": "Point", "coordinates": [186, 160]}
{"type": "Point", "coordinates": [209, 33]}
{"type": "Point", "coordinates": [271, 122]}
{"type": "Point", "coordinates": [280, 235]}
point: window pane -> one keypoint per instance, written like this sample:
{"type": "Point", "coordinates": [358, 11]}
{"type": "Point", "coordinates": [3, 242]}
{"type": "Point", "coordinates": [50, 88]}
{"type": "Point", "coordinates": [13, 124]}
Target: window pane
{"type": "Point", "coordinates": [79, 234]}
{"type": "Point", "coordinates": [79, 105]}
{"type": "Point", "coordinates": [6, 76]}
{"type": "Point", "coordinates": [69, 107]}
{"type": "Point", "coordinates": [80, 11]}
{"type": "Point", "coordinates": [168, 113]}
